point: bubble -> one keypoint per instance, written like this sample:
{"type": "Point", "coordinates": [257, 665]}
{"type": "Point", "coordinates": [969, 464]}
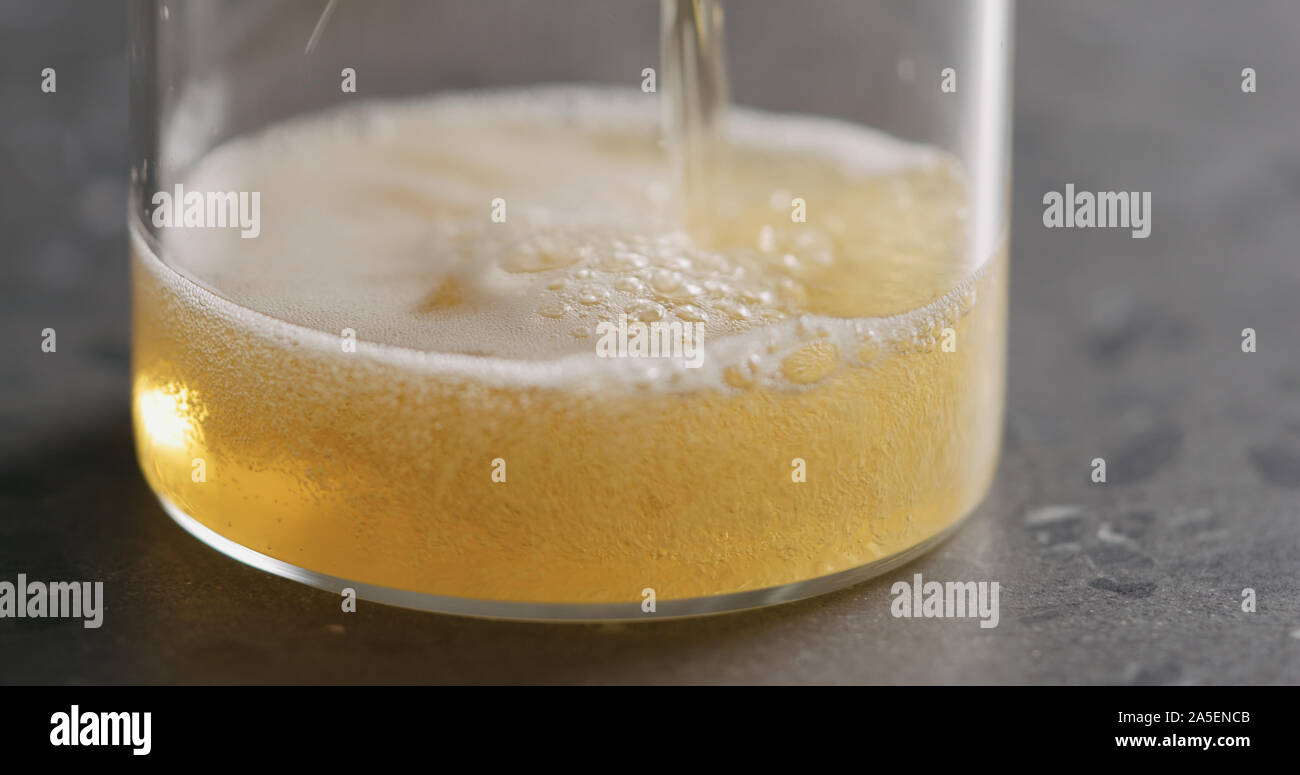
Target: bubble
{"type": "Point", "coordinates": [808, 328]}
{"type": "Point", "coordinates": [539, 255]}
{"type": "Point", "coordinates": [687, 290]}
{"type": "Point", "coordinates": [733, 310]}
{"type": "Point", "coordinates": [691, 314]}
{"type": "Point", "coordinates": [592, 294]}
{"type": "Point", "coordinates": [645, 311]}
{"type": "Point", "coordinates": [630, 284]}
{"type": "Point", "coordinates": [811, 363]}
{"type": "Point", "coordinates": [678, 263]}
{"type": "Point", "coordinates": [967, 301]}
{"type": "Point", "coordinates": [623, 261]}
{"type": "Point", "coordinates": [868, 345]}
{"type": "Point", "coordinates": [673, 239]}
{"type": "Point", "coordinates": [665, 281]}
{"type": "Point", "coordinates": [743, 376]}
{"type": "Point", "coordinates": [794, 292]}
{"type": "Point", "coordinates": [553, 309]}
{"type": "Point", "coordinates": [713, 263]}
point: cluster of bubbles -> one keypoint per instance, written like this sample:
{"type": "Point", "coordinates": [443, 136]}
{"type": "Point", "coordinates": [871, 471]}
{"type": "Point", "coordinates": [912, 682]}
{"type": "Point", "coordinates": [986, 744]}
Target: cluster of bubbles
{"type": "Point", "coordinates": [655, 278]}
{"type": "Point", "coordinates": [593, 276]}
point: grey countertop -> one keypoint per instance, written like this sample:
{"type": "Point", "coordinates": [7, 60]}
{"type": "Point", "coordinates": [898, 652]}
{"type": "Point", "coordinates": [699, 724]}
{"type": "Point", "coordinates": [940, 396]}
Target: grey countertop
{"type": "Point", "coordinates": [1119, 348]}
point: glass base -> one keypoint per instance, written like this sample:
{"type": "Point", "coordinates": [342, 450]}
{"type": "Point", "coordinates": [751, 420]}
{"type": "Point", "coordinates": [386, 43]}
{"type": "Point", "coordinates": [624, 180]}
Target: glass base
{"type": "Point", "coordinates": [555, 612]}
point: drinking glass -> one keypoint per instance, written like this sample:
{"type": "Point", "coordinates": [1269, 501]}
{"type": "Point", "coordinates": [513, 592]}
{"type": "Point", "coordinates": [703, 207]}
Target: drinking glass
{"type": "Point", "coordinates": [395, 265]}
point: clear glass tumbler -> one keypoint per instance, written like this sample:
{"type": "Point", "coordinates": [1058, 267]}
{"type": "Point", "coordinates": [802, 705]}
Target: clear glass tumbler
{"type": "Point", "coordinates": [570, 310]}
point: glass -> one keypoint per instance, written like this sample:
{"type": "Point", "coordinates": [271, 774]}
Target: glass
{"type": "Point", "coordinates": [413, 319]}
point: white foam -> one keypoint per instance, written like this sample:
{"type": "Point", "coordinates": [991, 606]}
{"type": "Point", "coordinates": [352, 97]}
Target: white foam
{"type": "Point", "coordinates": [430, 283]}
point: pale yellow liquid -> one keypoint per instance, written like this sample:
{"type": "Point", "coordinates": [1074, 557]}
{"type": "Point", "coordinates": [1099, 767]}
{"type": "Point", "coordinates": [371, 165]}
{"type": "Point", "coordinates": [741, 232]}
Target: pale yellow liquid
{"type": "Point", "coordinates": [824, 342]}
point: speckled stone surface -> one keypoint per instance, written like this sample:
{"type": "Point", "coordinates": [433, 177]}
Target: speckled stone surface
{"type": "Point", "coordinates": [1120, 348]}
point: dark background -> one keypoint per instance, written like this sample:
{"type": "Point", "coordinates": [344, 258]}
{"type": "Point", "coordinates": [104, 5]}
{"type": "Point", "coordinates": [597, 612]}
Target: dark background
{"type": "Point", "coordinates": [1119, 348]}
